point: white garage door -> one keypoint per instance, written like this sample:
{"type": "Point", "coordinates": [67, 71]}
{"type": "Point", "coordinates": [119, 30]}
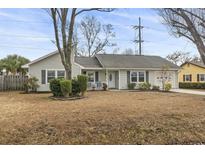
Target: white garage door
{"type": "Point", "coordinates": [170, 77]}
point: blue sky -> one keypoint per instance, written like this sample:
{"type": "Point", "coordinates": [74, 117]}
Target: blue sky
{"type": "Point", "coordinates": [29, 32]}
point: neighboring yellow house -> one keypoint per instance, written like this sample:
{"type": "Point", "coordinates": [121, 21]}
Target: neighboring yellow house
{"type": "Point", "coordinates": [192, 72]}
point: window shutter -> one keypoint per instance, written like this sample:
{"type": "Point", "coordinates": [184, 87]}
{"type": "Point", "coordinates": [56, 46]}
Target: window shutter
{"type": "Point", "coordinates": [197, 77]}
{"type": "Point", "coordinates": [184, 78]}
{"type": "Point", "coordinates": [96, 77]}
{"type": "Point", "coordinates": [147, 76]}
{"type": "Point", "coordinates": [128, 77]}
{"type": "Point", "coordinates": [43, 76]}
{"type": "Point", "coordinates": [190, 77]}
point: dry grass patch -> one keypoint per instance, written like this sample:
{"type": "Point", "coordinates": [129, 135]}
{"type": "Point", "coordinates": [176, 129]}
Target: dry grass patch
{"type": "Point", "coordinates": [103, 118]}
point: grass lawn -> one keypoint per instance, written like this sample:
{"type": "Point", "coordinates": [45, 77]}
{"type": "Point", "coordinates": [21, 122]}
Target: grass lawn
{"type": "Point", "coordinates": [103, 118]}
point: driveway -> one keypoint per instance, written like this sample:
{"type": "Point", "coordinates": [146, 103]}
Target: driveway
{"type": "Point", "coordinates": [189, 91]}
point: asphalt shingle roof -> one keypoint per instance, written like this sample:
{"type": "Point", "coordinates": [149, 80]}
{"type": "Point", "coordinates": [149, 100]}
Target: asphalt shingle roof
{"type": "Point", "coordinates": [133, 61]}
{"type": "Point", "coordinates": [90, 62]}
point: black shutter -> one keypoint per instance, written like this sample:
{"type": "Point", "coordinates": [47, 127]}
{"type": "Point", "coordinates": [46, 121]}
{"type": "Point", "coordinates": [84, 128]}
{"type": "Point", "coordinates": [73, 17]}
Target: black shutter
{"type": "Point", "coordinates": [43, 76]}
{"type": "Point", "coordinates": [128, 77]}
{"type": "Point", "coordinates": [184, 78]}
{"type": "Point", "coordinates": [147, 76]}
{"type": "Point", "coordinates": [96, 77]}
{"type": "Point", "coordinates": [197, 77]}
{"type": "Point", "coordinates": [190, 77]}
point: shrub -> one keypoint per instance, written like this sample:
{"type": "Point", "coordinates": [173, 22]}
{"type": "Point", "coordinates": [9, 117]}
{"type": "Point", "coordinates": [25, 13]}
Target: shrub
{"type": "Point", "coordinates": [167, 86]}
{"type": "Point", "coordinates": [55, 87]}
{"type": "Point", "coordinates": [131, 86]}
{"type": "Point", "coordinates": [104, 86]}
{"type": "Point", "coordinates": [155, 87]}
{"type": "Point", "coordinates": [83, 80]}
{"type": "Point", "coordinates": [66, 87]}
{"type": "Point", "coordinates": [192, 85]}
{"type": "Point", "coordinates": [75, 87]}
{"type": "Point", "coordinates": [144, 86]}
{"type": "Point", "coordinates": [31, 84]}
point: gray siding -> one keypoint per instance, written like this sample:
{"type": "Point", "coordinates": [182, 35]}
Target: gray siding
{"type": "Point", "coordinates": [50, 63]}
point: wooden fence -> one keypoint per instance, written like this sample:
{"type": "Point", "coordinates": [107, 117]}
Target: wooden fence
{"type": "Point", "coordinates": [12, 82]}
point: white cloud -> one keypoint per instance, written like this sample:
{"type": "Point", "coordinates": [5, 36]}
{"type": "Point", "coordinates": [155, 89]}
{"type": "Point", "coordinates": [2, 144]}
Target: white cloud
{"type": "Point", "coordinates": [152, 18]}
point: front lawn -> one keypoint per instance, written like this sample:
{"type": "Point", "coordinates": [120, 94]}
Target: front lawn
{"type": "Point", "coordinates": [119, 117]}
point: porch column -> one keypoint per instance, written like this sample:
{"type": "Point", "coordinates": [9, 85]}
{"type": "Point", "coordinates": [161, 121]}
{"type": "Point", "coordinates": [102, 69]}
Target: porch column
{"type": "Point", "coordinates": [106, 77]}
{"type": "Point", "coordinates": [119, 79]}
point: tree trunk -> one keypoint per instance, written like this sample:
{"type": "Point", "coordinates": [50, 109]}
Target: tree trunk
{"type": "Point", "coordinates": [68, 75]}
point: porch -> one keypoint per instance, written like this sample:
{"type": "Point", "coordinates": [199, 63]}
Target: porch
{"type": "Point", "coordinates": [96, 78]}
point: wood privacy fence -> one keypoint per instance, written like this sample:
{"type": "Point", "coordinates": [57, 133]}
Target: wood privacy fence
{"type": "Point", "coordinates": [12, 82]}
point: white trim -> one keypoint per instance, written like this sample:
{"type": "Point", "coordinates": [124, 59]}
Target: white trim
{"type": "Point", "coordinates": [185, 77]}
{"type": "Point", "coordinates": [137, 71]}
{"type": "Point", "coordinates": [93, 75]}
{"type": "Point", "coordinates": [119, 79]}
{"type": "Point", "coordinates": [99, 61]}
{"type": "Point", "coordinates": [149, 69]}
{"type": "Point", "coordinates": [82, 67]}
{"type": "Point", "coordinates": [56, 75]}
{"type": "Point", "coordinates": [200, 78]}
{"type": "Point", "coordinates": [41, 58]}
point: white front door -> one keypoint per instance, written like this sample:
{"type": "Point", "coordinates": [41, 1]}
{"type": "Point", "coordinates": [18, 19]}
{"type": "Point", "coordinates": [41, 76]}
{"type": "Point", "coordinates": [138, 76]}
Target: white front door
{"type": "Point", "coordinates": [111, 80]}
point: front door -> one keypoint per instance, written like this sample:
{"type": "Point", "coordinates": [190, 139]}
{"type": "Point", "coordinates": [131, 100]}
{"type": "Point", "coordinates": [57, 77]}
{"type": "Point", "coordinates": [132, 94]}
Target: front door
{"type": "Point", "coordinates": [111, 80]}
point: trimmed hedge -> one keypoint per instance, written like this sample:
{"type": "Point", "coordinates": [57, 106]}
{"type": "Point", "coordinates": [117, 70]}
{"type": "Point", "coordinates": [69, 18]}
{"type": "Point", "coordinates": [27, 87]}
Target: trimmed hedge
{"type": "Point", "coordinates": [191, 85]}
{"type": "Point", "coordinates": [83, 80]}
{"type": "Point", "coordinates": [66, 87]}
{"type": "Point", "coordinates": [55, 87]}
{"type": "Point", "coordinates": [75, 87]}
{"type": "Point", "coordinates": [131, 86]}
{"type": "Point", "coordinates": [144, 86]}
{"type": "Point", "coordinates": [167, 86]}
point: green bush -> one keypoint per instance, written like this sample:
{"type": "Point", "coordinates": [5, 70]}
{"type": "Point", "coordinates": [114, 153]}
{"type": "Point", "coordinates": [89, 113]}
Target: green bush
{"type": "Point", "coordinates": [167, 86]}
{"type": "Point", "coordinates": [191, 85]}
{"type": "Point", "coordinates": [66, 87]}
{"type": "Point", "coordinates": [131, 86]}
{"type": "Point", "coordinates": [144, 86]}
{"type": "Point", "coordinates": [55, 87]}
{"type": "Point", "coordinates": [31, 84]}
{"type": "Point", "coordinates": [75, 87]}
{"type": "Point", "coordinates": [155, 87]}
{"type": "Point", "coordinates": [83, 80]}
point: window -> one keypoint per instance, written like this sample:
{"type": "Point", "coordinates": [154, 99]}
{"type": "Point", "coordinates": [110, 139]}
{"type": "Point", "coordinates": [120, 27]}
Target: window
{"type": "Point", "coordinates": [50, 75]}
{"type": "Point", "coordinates": [187, 77]}
{"type": "Point", "coordinates": [60, 74]}
{"type": "Point", "coordinates": [201, 77]}
{"type": "Point", "coordinates": [134, 77]}
{"type": "Point", "coordinates": [90, 76]}
{"type": "Point", "coordinates": [141, 76]}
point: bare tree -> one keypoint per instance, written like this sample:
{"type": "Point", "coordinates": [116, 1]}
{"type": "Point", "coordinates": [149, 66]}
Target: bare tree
{"type": "Point", "coordinates": [63, 21]}
{"type": "Point", "coordinates": [128, 51]}
{"type": "Point", "coordinates": [165, 75]}
{"type": "Point", "coordinates": [188, 23]}
{"type": "Point", "coordinates": [96, 36]}
{"type": "Point", "coordinates": [179, 57]}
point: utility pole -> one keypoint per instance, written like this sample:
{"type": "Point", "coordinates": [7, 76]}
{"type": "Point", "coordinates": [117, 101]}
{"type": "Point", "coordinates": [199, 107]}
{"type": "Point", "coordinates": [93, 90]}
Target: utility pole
{"type": "Point", "coordinates": [139, 37]}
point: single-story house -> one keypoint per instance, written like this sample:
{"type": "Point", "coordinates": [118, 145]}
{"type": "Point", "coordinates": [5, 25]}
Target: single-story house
{"type": "Point", "coordinates": [113, 69]}
{"type": "Point", "coordinates": [192, 72]}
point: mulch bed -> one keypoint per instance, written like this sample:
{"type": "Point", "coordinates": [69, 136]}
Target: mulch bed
{"type": "Point", "coordinates": [67, 98]}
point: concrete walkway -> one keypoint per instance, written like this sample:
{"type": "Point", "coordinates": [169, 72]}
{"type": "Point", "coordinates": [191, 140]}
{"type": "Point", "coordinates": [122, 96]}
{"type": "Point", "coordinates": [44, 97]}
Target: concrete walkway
{"type": "Point", "coordinates": [188, 91]}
